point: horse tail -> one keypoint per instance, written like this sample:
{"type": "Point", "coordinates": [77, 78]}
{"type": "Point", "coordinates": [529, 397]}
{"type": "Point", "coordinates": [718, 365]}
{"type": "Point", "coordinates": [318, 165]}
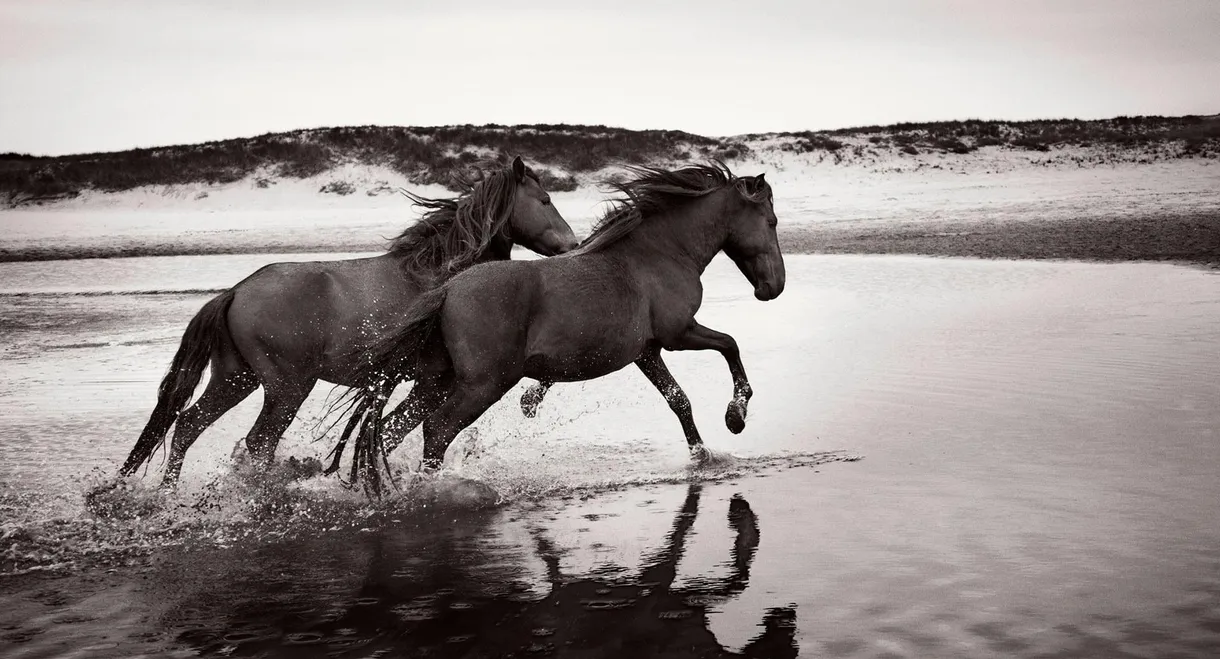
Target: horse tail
{"type": "Point", "coordinates": [203, 334]}
{"type": "Point", "coordinates": [357, 410]}
{"type": "Point", "coordinates": [391, 362]}
{"type": "Point", "coordinates": [399, 353]}
{"type": "Point", "coordinates": [368, 448]}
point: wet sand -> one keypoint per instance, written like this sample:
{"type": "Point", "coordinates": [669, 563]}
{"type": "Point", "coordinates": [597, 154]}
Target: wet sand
{"type": "Point", "coordinates": [1038, 479]}
{"type": "Point", "coordinates": [1185, 237]}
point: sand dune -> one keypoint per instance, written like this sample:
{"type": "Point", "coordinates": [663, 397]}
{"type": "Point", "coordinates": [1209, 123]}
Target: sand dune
{"type": "Point", "coordinates": [860, 197]}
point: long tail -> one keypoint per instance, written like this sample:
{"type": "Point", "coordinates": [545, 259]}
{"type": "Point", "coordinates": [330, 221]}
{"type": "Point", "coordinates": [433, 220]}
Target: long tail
{"type": "Point", "coordinates": [391, 361]}
{"type": "Point", "coordinates": [202, 335]}
{"type": "Point", "coordinates": [396, 356]}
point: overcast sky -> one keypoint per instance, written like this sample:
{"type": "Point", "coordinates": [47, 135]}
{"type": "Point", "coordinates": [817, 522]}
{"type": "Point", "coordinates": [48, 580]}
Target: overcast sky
{"type": "Point", "coordinates": [88, 75]}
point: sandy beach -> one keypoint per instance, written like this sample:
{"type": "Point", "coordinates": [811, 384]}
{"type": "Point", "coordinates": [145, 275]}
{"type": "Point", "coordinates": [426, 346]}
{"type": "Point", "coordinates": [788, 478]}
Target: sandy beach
{"type": "Point", "coordinates": [1073, 202]}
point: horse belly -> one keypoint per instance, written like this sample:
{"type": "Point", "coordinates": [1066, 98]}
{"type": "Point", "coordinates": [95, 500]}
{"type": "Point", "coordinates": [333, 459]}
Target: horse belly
{"type": "Point", "coordinates": [573, 351]}
{"type": "Point", "coordinates": [573, 367]}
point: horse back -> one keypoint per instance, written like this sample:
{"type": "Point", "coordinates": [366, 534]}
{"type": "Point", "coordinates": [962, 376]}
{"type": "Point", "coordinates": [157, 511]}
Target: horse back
{"type": "Point", "coordinates": [307, 317]}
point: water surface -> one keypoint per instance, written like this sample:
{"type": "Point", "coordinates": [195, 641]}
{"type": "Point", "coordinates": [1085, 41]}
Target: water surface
{"type": "Point", "coordinates": [1039, 479]}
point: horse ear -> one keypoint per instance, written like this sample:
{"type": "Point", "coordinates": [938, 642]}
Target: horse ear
{"type": "Point", "coordinates": [758, 184]}
{"type": "Point", "coordinates": [518, 169]}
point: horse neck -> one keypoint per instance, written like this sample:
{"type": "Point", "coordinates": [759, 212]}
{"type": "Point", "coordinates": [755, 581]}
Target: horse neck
{"type": "Point", "coordinates": [690, 235]}
{"type": "Point", "coordinates": [499, 249]}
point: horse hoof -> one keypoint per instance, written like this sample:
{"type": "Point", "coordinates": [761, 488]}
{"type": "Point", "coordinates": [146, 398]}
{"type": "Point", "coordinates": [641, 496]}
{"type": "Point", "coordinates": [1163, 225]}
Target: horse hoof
{"type": "Point", "coordinates": [304, 468]}
{"type": "Point", "coordinates": [529, 404]}
{"type": "Point", "coordinates": [699, 454]}
{"type": "Point", "coordinates": [735, 417]}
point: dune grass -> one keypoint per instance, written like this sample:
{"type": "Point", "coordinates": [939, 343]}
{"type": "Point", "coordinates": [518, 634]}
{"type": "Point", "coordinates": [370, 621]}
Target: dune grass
{"type": "Point", "coordinates": [436, 154]}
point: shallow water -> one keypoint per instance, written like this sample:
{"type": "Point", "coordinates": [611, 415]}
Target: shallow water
{"type": "Point", "coordinates": [1039, 480]}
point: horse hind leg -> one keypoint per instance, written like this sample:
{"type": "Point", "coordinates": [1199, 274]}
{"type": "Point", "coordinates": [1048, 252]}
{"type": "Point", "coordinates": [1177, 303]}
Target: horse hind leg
{"type": "Point", "coordinates": [224, 392]}
{"type": "Point", "coordinates": [427, 395]}
{"type": "Point", "coordinates": [280, 406]}
{"type": "Point", "coordinates": [463, 407]}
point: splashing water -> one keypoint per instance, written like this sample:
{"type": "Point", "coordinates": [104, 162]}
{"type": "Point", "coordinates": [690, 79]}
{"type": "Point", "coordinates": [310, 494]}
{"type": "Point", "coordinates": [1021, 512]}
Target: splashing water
{"type": "Point", "coordinates": [121, 521]}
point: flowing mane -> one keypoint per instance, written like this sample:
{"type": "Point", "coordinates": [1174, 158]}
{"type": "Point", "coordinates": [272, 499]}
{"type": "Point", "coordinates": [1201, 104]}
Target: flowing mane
{"type": "Point", "coordinates": [652, 192]}
{"type": "Point", "coordinates": [453, 233]}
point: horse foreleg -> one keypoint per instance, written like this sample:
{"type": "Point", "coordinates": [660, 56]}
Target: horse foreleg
{"type": "Point", "coordinates": [698, 337]}
{"type": "Point", "coordinates": [654, 368]}
{"type": "Point", "coordinates": [533, 397]}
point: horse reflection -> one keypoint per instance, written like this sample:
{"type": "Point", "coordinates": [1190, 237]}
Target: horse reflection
{"type": "Point", "coordinates": [456, 599]}
{"type": "Point", "coordinates": [650, 616]}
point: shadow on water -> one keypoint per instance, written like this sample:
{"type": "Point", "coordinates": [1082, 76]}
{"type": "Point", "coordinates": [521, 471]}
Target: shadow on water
{"type": "Point", "coordinates": [448, 592]}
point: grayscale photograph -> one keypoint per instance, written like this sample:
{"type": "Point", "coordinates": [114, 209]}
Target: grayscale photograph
{"type": "Point", "coordinates": [867, 329]}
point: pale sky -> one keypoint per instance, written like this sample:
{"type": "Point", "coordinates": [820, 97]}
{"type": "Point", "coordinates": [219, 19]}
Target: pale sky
{"type": "Point", "coordinates": [91, 75]}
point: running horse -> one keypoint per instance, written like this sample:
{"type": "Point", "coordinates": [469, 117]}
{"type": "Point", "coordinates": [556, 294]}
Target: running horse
{"type": "Point", "coordinates": [630, 290]}
{"type": "Point", "coordinates": [289, 325]}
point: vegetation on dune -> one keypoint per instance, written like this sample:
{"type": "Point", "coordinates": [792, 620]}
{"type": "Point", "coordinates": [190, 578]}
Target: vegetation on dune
{"type": "Point", "coordinates": [424, 155]}
{"type": "Point", "coordinates": [557, 152]}
{"type": "Point", "coordinates": [1199, 134]}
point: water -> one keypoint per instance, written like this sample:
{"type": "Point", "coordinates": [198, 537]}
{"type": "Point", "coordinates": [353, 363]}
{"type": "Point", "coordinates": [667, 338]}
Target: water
{"type": "Point", "coordinates": [1039, 479]}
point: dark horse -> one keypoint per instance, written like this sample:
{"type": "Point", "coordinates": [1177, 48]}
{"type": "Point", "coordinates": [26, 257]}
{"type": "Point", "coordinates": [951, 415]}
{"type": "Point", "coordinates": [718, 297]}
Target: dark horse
{"type": "Point", "coordinates": [629, 291]}
{"type": "Point", "coordinates": [289, 325]}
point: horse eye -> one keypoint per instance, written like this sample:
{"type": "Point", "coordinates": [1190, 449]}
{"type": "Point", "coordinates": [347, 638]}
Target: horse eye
{"type": "Point", "coordinates": [546, 201]}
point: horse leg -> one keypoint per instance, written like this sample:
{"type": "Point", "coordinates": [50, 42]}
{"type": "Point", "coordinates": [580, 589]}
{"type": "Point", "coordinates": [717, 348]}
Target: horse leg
{"type": "Point", "coordinates": [223, 393]}
{"type": "Point", "coordinates": [654, 368]}
{"type": "Point", "coordinates": [426, 396]}
{"type": "Point", "coordinates": [280, 406]}
{"type": "Point", "coordinates": [463, 407]}
{"type": "Point", "coordinates": [533, 396]}
{"type": "Point", "coordinates": [698, 337]}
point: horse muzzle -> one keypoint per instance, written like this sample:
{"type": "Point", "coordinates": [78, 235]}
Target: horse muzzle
{"type": "Point", "coordinates": [560, 243]}
{"type": "Point", "coordinates": [766, 291]}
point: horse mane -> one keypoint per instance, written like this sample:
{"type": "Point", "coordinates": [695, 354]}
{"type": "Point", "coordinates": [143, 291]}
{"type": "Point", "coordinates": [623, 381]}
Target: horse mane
{"type": "Point", "coordinates": [454, 232]}
{"type": "Point", "coordinates": [654, 191]}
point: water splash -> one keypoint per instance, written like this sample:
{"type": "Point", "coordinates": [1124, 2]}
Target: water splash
{"type": "Point", "coordinates": [110, 521]}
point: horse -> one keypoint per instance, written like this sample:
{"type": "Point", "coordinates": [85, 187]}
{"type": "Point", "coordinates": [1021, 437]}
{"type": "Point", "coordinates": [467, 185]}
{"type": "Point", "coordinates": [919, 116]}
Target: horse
{"type": "Point", "coordinates": [629, 291]}
{"type": "Point", "coordinates": [289, 325]}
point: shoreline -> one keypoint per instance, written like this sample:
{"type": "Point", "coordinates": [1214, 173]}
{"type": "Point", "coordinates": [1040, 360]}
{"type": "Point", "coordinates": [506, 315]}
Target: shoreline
{"type": "Point", "coordinates": [1192, 238]}
{"type": "Point", "coordinates": [1184, 237]}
